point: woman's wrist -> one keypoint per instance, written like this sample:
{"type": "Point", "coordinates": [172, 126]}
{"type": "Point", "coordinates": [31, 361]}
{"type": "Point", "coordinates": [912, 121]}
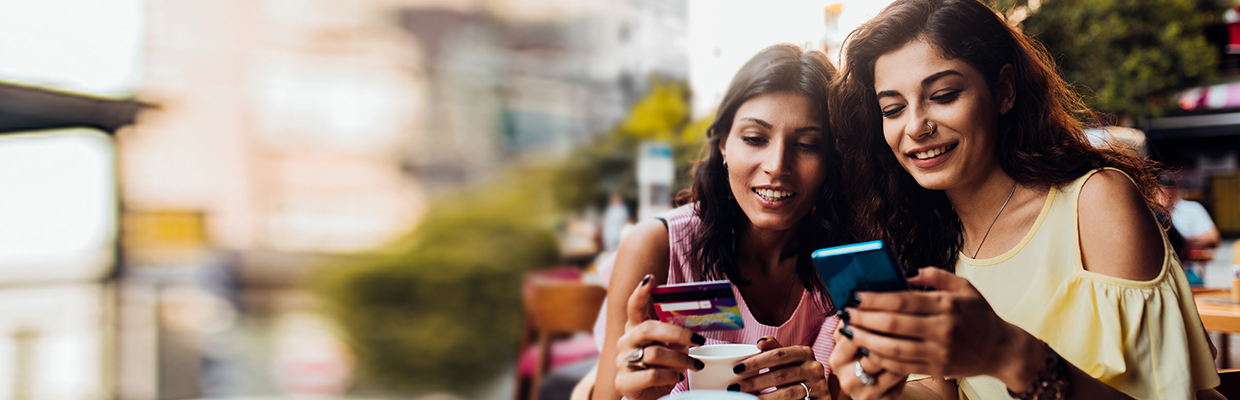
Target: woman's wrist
{"type": "Point", "coordinates": [1023, 359]}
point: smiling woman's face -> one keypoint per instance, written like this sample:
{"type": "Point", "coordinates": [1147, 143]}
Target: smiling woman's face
{"type": "Point", "coordinates": [775, 159]}
{"type": "Point", "coordinates": [917, 87]}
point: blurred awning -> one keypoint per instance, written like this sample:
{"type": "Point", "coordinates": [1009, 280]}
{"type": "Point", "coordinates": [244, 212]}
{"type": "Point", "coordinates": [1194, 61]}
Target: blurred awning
{"type": "Point", "coordinates": [25, 108]}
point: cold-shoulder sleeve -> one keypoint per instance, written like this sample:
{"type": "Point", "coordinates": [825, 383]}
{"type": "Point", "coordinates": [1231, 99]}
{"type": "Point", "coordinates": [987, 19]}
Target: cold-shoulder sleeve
{"type": "Point", "coordinates": [1143, 338]}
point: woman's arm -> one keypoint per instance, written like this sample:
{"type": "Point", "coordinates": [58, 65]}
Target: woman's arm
{"type": "Point", "coordinates": [1119, 235]}
{"type": "Point", "coordinates": [645, 250]}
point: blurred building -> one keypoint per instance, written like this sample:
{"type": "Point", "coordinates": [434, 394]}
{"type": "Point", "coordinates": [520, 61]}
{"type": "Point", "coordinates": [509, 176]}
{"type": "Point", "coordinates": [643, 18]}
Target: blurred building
{"type": "Point", "coordinates": [293, 132]}
{"type": "Point", "coordinates": [1200, 141]}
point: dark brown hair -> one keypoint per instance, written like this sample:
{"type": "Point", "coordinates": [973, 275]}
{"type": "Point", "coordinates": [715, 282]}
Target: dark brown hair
{"type": "Point", "coordinates": [780, 68]}
{"type": "Point", "coordinates": [1041, 140]}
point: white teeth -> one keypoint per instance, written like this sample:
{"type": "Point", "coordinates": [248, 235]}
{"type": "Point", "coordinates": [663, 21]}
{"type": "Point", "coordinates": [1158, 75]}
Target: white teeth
{"type": "Point", "coordinates": [773, 195]}
{"type": "Point", "coordinates": [932, 153]}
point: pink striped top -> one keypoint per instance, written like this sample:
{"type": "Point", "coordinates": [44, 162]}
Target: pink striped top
{"type": "Point", "coordinates": [808, 325]}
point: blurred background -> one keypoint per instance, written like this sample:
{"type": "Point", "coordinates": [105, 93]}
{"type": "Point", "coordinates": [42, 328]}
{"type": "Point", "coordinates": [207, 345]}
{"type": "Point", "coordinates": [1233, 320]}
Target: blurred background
{"type": "Point", "coordinates": [367, 198]}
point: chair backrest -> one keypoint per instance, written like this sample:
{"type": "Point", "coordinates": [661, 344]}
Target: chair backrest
{"type": "Point", "coordinates": [564, 306]}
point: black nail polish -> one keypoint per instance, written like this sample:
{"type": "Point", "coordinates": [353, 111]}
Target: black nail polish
{"type": "Point", "coordinates": [698, 365]}
{"type": "Point", "coordinates": [847, 333]}
{"type": "Point", "coordinates": [698, 339]}
{"type": "Point", "coordinates": [763, 339]}
{"type": "Point", "coordinates": [735, 387]}
{"type": "Point", "coordinates": [856, 300]}
{"type": "Point", "coordinates": [863, 352]}
{"type": "Point", "coordinates": [913, 273]}
{"type": "Point", "coordinates": [844, 316]}
{"type": "Point", "coordinates": [682, 377]}
{"type": "Point", "coordinates": [738, 369]}
{"type": "Point", "coordinates": [646, 280]}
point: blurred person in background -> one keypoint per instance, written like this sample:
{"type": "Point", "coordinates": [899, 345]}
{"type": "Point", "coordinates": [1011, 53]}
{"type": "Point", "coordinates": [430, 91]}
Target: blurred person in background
{"type": "Point", "coordinates": [615, 221]}
{"type": "Point", "coordinates": [764, 198]}
{"type": "Point", "coordinates": [1194, 225]}
{"type": "Point", "coordinates": [968, 155]}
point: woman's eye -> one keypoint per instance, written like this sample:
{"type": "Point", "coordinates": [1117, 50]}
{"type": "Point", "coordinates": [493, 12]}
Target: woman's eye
{"type": "Point", "coordinates": [808, 147]}
{"type": "Point", "coordinates": [753, 140]}
{"type": "Point", "coordinates": [946, 97]}
{"type": "Point", "coordinates": [892, 111]}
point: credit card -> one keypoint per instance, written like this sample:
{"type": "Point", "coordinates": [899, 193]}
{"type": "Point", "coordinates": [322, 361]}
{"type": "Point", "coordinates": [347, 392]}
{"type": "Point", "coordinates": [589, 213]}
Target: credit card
{"type": "Point", "coordinates": [698, 306]}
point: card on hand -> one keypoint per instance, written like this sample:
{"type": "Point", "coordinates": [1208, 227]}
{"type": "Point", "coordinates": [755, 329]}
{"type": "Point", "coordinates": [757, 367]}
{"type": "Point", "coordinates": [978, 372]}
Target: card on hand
{"type": "Point", "coordinates": [698, 306]}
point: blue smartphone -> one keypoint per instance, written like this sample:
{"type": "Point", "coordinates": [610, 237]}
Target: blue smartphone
{"type": "Point", "coordinates": [859, 267]}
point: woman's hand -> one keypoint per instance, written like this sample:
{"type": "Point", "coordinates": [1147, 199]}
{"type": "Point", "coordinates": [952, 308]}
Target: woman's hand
{"type": "Point", "coordinates": [844, 361]}
{"type": "Point", "coordinates": [651, 354]}
{"type": "Point", "coordinates": [948, 332]}
{"type": "Point", "coordinates": [790, 367]}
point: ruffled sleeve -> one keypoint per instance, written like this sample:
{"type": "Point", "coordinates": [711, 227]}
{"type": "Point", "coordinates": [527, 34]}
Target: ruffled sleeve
{"type": "Point", "coordinates": [1143, 338]}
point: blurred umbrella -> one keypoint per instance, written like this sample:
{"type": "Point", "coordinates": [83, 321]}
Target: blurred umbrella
{"type": "Point", "coordinates": [25, 108]}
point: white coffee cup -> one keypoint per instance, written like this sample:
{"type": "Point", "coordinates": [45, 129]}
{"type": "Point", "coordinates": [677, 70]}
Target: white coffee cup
{"type": "Point", "coordinates": [703, 394]}
{"type": "Point", "coordinates": [719, 360]}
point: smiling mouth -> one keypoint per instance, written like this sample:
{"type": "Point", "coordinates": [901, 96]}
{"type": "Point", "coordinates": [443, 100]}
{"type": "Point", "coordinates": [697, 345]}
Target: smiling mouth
{"type": "Point", "coordinates": [932, 153]}
{"type": "Point", "coordinates": [773, 195]}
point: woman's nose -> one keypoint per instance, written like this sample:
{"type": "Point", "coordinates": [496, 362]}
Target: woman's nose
{"type": "Point", "coordinates": [775, 161]}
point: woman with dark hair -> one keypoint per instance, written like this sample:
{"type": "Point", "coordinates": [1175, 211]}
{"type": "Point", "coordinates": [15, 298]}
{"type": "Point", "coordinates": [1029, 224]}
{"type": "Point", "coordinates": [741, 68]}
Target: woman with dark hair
{"type": "Point", "coordinates": [763, 199]}
{"type": "Point", "coordinates": [967, 153]}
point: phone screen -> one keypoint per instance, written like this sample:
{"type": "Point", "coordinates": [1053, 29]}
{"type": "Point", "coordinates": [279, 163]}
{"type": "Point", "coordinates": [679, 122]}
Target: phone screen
{"type": "Point", "coordinates": [867, 266]}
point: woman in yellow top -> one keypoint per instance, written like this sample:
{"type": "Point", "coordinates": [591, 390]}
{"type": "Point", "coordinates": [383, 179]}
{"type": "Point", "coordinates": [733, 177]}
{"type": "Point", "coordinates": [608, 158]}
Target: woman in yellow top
{"type": "Point", "coordinates": [969, 155]}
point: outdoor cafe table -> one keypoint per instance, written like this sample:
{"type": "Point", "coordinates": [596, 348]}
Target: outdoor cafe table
{"type": "Point", "coordinates": [1219, 314]}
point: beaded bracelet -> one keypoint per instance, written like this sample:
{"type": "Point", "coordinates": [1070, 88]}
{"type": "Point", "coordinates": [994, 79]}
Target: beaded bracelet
{"type": "Point", "coordinates": [1051, 381]}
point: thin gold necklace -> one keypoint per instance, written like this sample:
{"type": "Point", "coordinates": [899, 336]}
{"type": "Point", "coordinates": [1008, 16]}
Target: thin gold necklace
{"type": "Point", "coordinates": [992, 225]}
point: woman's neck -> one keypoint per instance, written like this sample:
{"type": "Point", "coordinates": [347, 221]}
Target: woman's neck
{"type": "Point", "coordinates": [765, 248]}
{"type": "Point", "coordinates": [977, 203]}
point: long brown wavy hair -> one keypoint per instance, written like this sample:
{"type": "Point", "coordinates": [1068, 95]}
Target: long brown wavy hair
{"type": "Point", "coordinates": [1041, 140]}
{"type": "Point", "coordinates": [779, 68]}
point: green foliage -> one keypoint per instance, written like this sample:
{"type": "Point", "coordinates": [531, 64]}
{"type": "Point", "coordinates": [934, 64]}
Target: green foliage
{"type": "Point", "coordinates": [1130, 53]}
{"type": "Point", "coordinates": [441, 311]}
{"type": "Point", "coordinates": [444, 312]}
{"type": "Point", "coordinates": [608, 165]}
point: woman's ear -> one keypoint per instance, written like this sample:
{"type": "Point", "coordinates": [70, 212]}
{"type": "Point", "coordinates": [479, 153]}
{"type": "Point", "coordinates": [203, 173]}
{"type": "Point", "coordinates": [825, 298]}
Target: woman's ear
{"type": "Point", "coordinates": [1007, 88]}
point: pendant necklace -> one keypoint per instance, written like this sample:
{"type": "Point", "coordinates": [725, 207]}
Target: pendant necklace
{"type": "Point", "coordinates": [992, 225]}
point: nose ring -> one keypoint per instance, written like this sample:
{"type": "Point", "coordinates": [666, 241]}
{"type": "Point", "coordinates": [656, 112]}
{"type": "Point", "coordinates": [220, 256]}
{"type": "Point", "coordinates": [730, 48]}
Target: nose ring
{"type": "Point", "coordinates": [929, 129]}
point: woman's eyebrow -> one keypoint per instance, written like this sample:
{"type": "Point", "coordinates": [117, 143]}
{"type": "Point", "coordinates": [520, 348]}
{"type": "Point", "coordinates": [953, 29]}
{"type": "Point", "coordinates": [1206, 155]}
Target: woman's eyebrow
{"type": "Point", "coordinates": [764, 124]}
{"type": "Point", "coordinates": [924, 82]}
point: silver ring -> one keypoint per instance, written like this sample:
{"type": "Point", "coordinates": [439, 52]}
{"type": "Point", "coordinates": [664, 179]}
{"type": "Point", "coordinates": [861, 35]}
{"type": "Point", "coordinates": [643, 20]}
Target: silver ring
{"type": "Point", "coordinates": [806, 390]}
{"type": "Point", "coordinates": [929, 131]}
{"type": "Point", "coordinates": [865, 378]}
{"type": "Point", "coordinates": [635, 359]}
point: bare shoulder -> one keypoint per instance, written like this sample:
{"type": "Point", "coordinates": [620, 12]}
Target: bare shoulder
{"type": "Point", "coordinates": [1119, 236]}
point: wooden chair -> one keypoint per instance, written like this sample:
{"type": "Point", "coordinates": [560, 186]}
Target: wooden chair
{"type": "Point", "coordinates": [554, 308]}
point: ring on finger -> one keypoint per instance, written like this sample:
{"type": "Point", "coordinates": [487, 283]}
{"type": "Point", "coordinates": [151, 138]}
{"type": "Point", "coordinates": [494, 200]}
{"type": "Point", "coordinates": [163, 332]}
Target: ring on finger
{"type": "Point", "coordinates": [806, 390]}
{"type": "Point", "coordinates": [865, 378]}
{"type": "Point", "coordinates": [635, 358]}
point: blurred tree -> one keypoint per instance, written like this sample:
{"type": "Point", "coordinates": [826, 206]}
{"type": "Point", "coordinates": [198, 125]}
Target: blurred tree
{"type": "Point", "coordinates": [1130, 53]}
{"type": "Point", "coordinates": [442, 311]}
{"type": "Point", "coordinates": [608, 165]}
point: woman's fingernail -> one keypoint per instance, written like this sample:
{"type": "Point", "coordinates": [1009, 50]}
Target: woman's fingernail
{"type": "Point", "coordinates": [847, 333]}
{"type": "Point", "coordinates": [914, 273]}
{"type": "Point", "coordinates": [738, 369]}
{"type": "Point", "coordinates": [682, 377]}
{"type": "Point", "coordinates": [735, 387]}
{"type": "Point", "coordinates": [863, 352]}
{"type": "Point", "coordinates": [698, 365]}
{"type": "Point", "coordinates": [698, 339]}
{"type": "Point", "coordinates": [763, 339]}
{"type": "Point", "coordinates": [856, 300]}
{"type": "Point", "coordinates": [844, 316]}
{"type": "Point", "coordinates": [646, 280]}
